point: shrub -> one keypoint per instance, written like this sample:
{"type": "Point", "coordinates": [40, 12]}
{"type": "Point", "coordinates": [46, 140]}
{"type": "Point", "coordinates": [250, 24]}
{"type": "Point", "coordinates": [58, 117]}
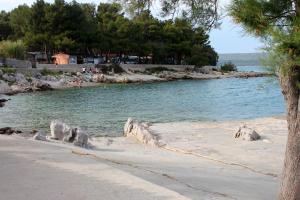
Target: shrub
{"type": "Point", "coordinates": [228, 67]}
{"type": "Point", "coordinates": [12, 49]}
{"type": "Point", "coordinates": [46, 72]}
{"type": "Point", "coordinates": [8, 70]}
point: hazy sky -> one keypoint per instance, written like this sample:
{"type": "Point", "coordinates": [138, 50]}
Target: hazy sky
{"type": "Point", "coordinates": [230, 38]}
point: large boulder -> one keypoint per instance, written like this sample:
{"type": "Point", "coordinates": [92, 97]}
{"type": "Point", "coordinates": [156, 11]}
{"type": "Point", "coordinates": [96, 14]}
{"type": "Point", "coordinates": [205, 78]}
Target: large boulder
{"type": "Point", "coordinates": [70, 137]}
{"type": "Point", "coordinates": [20, 88]}
{"type": "Point", "coordinates": [20, 79]}
{"type": "Point", "coordinates": [4, 88]}
{"type": "Point", "coordinates": [81, 138]}
{"type": "Point", "coordinates": [40, 136]}
{"type": "Point", "coordinates": [59, 129]}
{"type": "Point", "coordinates": [9, 78]}
{"type": "Point", "coordinates": [41, 85]}
{"type": "Point", "coordinates": [78, 137]}
{"type": "Point", "coordinates": [141, 132]}
{"type": "Point", "coordinates": [246, 133]}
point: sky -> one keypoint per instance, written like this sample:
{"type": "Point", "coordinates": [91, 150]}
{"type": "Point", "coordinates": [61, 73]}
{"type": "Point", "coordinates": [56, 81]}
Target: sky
{"type": "Point", "coordinates": [229, 38]}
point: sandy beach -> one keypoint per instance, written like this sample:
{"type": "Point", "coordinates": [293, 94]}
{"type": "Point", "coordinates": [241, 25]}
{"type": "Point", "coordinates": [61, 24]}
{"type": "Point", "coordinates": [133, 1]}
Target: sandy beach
{"type": "Point", "coordinates": [201, 160]}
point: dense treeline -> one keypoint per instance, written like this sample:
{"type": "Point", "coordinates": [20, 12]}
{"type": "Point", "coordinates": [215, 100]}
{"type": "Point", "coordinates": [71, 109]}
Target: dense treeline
{"type": "Point", "coordinates": [80, 28]}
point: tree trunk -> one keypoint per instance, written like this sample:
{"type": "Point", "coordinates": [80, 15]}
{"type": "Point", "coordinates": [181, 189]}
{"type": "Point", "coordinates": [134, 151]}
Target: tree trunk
{"type": "Point", "coordinates": [290, 184]}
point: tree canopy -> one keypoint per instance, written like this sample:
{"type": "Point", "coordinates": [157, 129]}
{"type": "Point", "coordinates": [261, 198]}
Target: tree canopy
{"type": "Point", "coordinates": [87, 29]}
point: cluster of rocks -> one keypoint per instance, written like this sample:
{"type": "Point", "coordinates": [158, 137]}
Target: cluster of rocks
{"type": "Point", "coordinates": [141, 132]}
{"type": "Point", "coordinates": [12, 83]}
{"type": "Point", "coordinates": [9, 131]}
{"type": "Point", "coordinates": [246, 133]}
{"type": "Point", "coordinates": [64, 132]}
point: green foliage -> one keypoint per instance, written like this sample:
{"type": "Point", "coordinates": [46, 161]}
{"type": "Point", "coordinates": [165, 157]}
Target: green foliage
{"type": "Point", "coordinates": [5, 28]}
{"type": "Point", "coordinates": [275, 22]}
{"type": "Point", "coordinates": [46, 72]}
{"type": "Point", "coordinates": [19, 21]}
{"type": "Point", "coordinates": [228, 67]}
{"type": "Point", "coordinates": [8, 70]}
{"type": "Point", "coordinates": [85, 29]}
{"type": "Point", "coordinates": [12, 49]}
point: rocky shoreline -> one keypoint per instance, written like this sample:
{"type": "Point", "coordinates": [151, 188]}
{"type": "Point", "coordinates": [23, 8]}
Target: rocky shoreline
{"type": "Point", "coordinates": [13, 83]}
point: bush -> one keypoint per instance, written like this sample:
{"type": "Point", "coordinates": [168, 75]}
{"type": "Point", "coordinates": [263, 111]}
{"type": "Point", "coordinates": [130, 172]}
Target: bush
{"type": "Point", "coordinates": [8, 70]}
{"type": "Point", "coordinates": [228, 67]}
{"type": "Point", "coordinates": [46, 72]}
{"type": "Point", "coordinates": [12, 49]}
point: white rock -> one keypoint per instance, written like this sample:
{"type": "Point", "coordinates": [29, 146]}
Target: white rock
{"type": "Point", "coordinates": [59, 129]}
{"type": "Point", "coordinates": [20, 79]}
{"type": "Point", "coordinates": [99, 78]}
{"type": "Point", "coordinates": [141, 132]}
{"type": "Point", "coordinates": [81, 138]}
{"type": "Point", "coordinates": [4, 88]}
{"type": "Point", "coordinates": [40, 136]}
{"type": "Point", "coordinates": [20, 88]}
{"type": "Point", "coordinates": [70, 137]}
{"type": "Point", "coordinates": [247, 134]}
{"type": "Point", "coordinates": [9, 77]}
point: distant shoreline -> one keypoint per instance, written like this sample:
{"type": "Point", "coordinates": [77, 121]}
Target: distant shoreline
{"type": "Point", "coordinates": [13, 83]}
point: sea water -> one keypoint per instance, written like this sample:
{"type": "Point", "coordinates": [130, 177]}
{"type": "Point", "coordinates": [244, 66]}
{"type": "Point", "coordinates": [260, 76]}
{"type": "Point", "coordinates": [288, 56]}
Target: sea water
{"type": "Point", "coordinates": [104, 109]}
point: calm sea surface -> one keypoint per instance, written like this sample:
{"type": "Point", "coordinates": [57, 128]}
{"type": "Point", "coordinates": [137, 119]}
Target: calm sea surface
{"type": "Point", "coordinates": [103, 110]}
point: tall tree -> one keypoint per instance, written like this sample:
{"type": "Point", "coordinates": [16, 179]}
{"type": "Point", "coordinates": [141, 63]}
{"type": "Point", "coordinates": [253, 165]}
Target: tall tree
{"type": "Point", "coordinates": [278, 22]}
{"type": "Point", "coordinates": [5, 28]}
{"type": "Point", "coordinates": [20, 20]}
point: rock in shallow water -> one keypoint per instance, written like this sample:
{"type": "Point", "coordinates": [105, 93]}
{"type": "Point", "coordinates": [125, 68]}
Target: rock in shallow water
{"type": "Point", "coordinates": [247, 134]}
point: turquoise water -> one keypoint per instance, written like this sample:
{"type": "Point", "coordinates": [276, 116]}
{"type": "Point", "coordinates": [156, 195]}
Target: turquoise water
{"type": "Point", "coordinates": [103, 110]}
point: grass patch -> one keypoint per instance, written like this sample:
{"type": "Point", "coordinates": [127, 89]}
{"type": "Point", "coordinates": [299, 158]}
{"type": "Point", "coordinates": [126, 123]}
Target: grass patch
{"type": "Point", "coordinates": [46, 72]}
{"type": "Point", "coordinates": [8, 70]}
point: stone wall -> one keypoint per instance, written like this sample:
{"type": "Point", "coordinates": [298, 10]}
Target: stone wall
{"type": "Point", "coordinates": [17, 63]}
{"type": "Point", "coordinates": [65, 68]}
